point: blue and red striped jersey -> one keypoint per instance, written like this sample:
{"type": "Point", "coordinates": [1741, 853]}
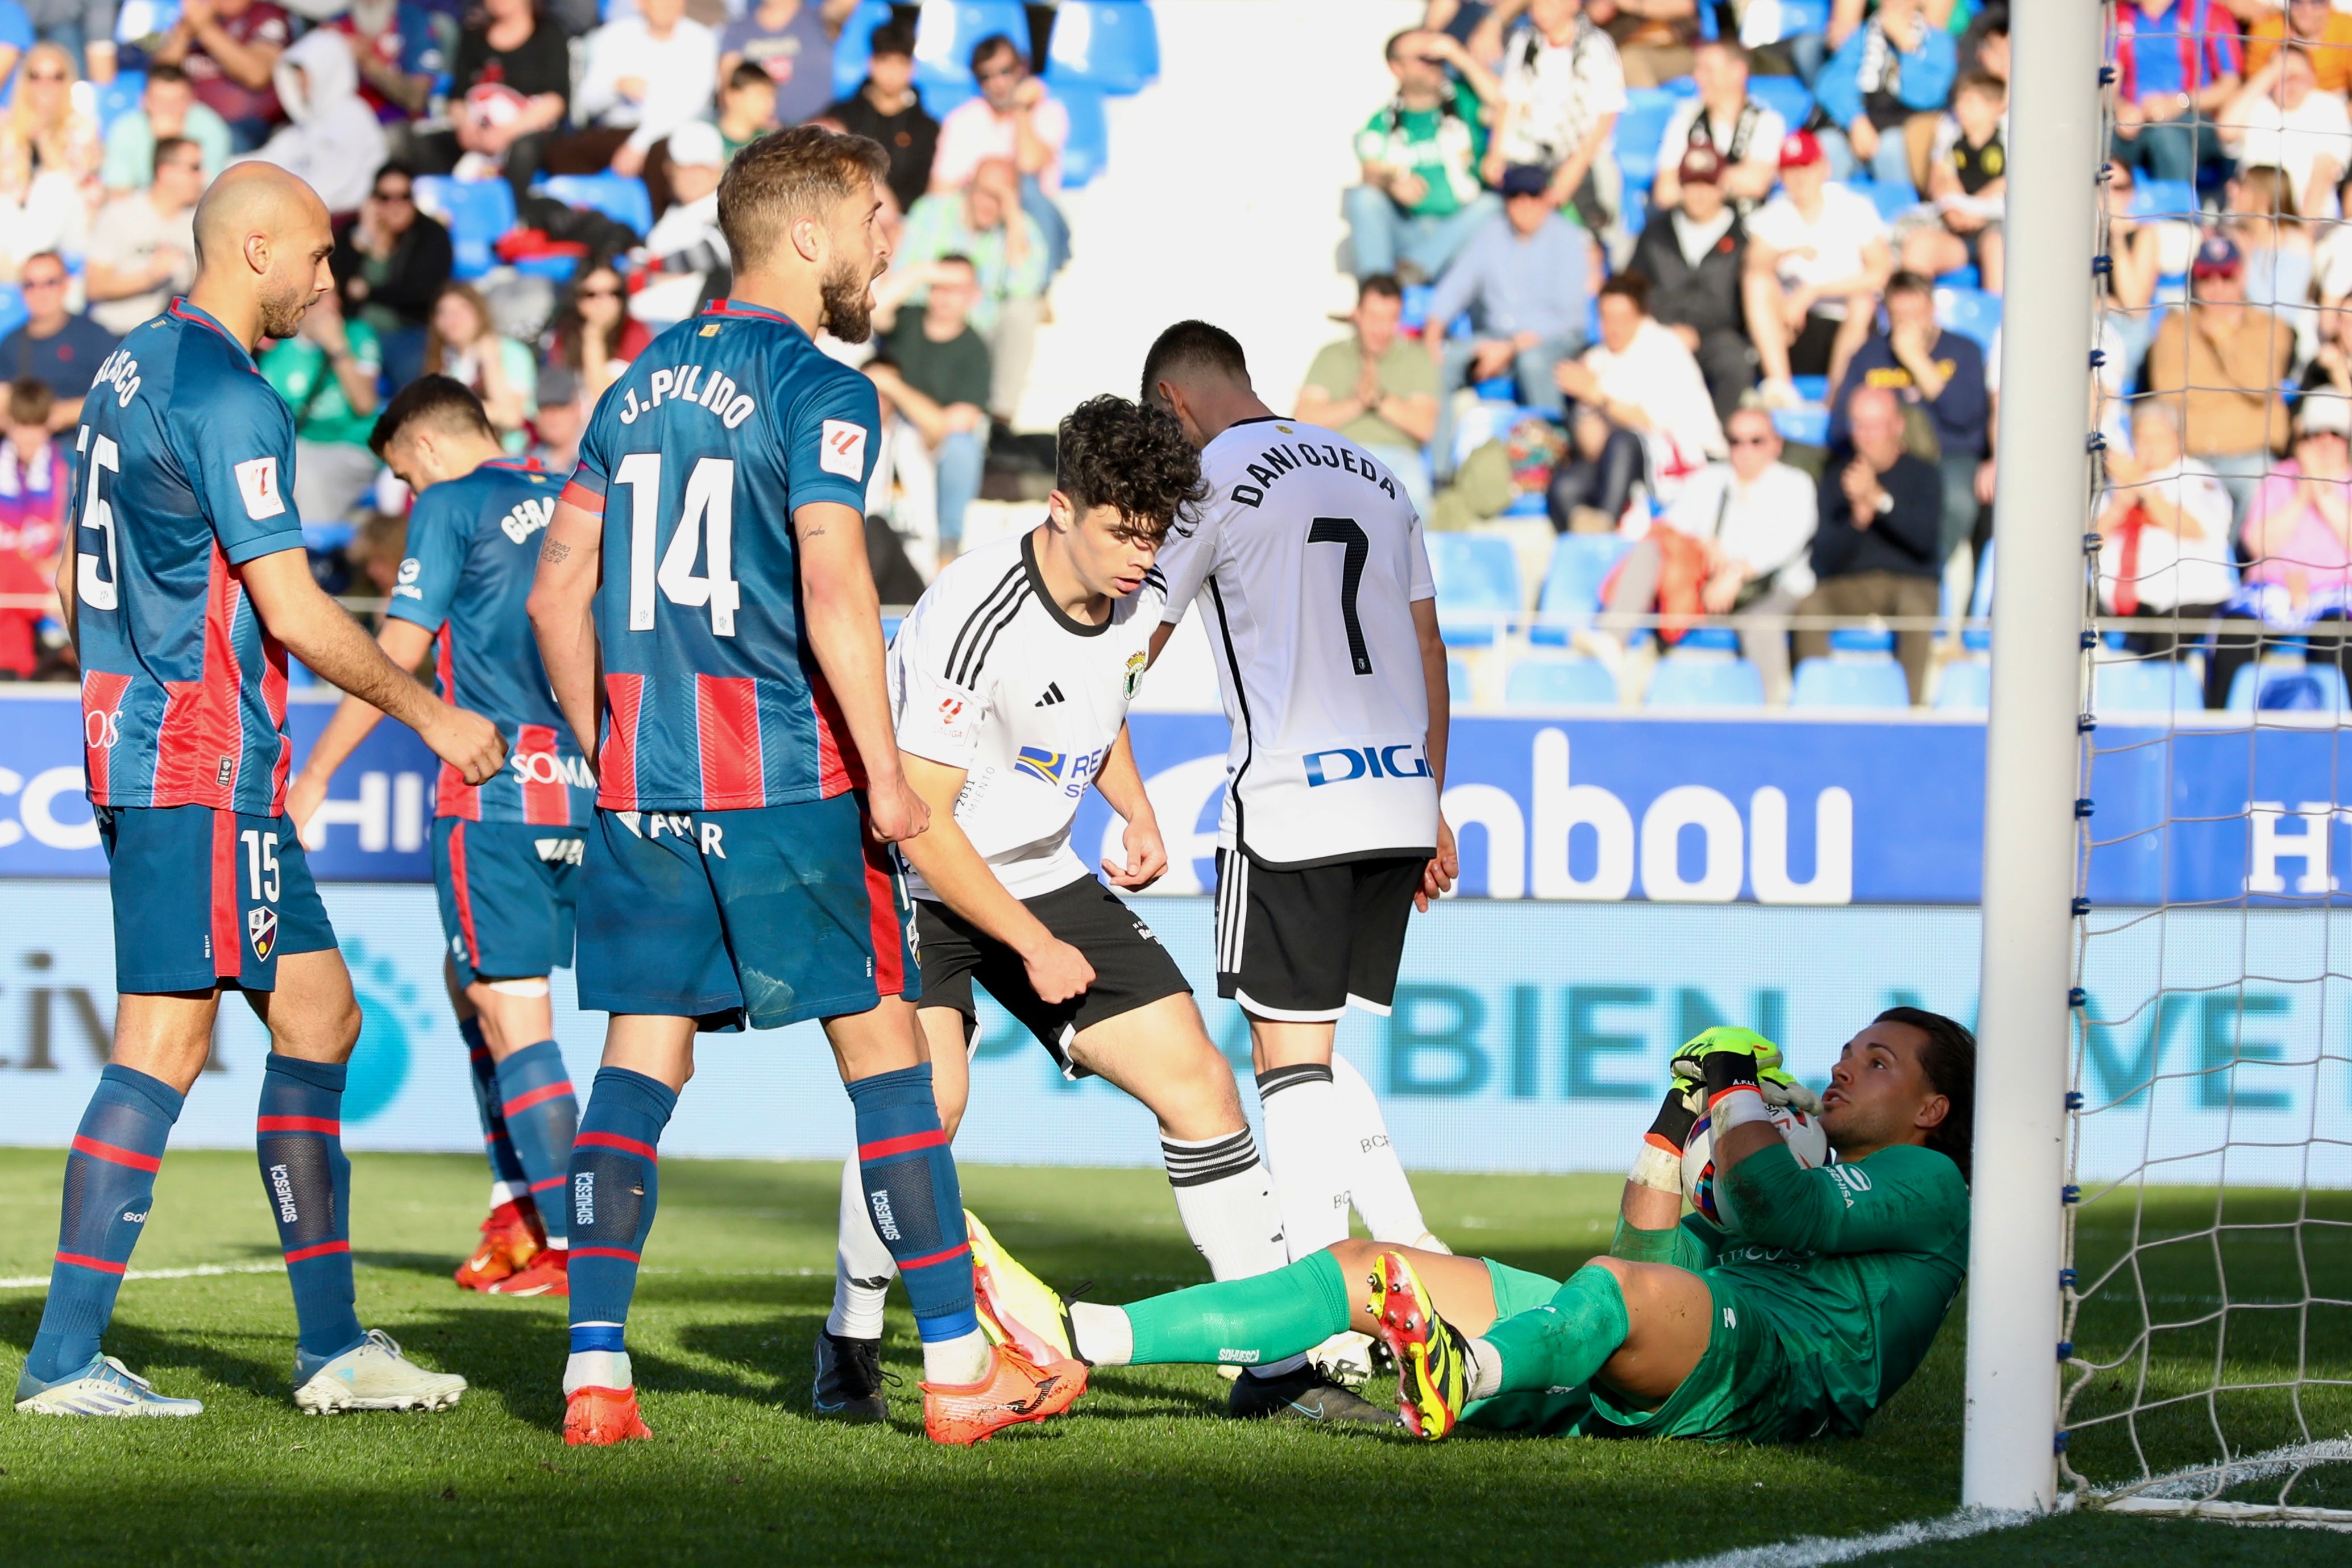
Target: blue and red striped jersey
{"type": "Point", "coordinates": [184, 472]}
{"type": "Point", "coordinates": [473, 546]}
{"type": "Point", "coordinates": [720, 429]}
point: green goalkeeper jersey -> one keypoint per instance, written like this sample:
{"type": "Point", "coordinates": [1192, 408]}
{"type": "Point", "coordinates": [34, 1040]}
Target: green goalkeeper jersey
{"type": "Point", "coordinates": [1855, 1263]}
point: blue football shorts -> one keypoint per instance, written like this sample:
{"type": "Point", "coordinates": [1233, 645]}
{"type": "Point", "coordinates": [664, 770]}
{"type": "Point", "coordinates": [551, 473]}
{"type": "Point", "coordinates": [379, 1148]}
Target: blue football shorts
{"type": "Point", "coordinates": [207, 898]}
{"type": "Point", "coordinates": [762, 917]}
{"type": "Point", "coordinates": [507, 891]}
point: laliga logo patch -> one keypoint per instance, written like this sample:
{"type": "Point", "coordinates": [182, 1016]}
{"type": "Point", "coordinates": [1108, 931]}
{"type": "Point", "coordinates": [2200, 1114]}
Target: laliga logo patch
{"type": "Point", "coordinates": [1136, 663]}
{"type": "Point", "coordinates": [1043, 766]}
{"type": "Point", "coordinates": [261, 930]}
{"type": "Point", "coordinates": [841, 448]}
{"type": "Point", "coordinates": [257, 481]}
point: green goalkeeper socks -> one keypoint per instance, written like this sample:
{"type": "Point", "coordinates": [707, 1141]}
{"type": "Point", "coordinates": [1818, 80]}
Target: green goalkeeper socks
{"type": "Point", "coordinates": [1563, 1342]}
{"type": "Point", "coordinates": [1245, 1322]}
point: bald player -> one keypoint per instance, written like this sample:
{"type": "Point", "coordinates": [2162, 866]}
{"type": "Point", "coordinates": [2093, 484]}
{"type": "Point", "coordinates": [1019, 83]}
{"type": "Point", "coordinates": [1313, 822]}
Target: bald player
{"type": "Point", "coordinates": [185, 586]}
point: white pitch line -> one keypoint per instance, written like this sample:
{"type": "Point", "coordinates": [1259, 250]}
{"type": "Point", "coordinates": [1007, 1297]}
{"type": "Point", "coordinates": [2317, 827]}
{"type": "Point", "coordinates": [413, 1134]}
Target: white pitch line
{"type": "Point", "coordinates": [203, 1271]}
{"type": "Point", "coordinates": [1813, 1551]}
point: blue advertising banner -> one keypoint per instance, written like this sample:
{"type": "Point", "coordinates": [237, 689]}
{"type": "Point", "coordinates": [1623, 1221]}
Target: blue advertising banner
{"type": "Point", "coordinates": [1525, 1037]}
{"type": "Point", "coordinates": [1779, 810]}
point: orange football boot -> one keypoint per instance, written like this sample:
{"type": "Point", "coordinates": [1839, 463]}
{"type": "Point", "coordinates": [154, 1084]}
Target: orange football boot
{"type": "Point", "coordinates": [548, 1274]}
{"type": "Point", "coordinates": [511, 1238]}
{"type": "Point", "coordinates": [1016, 1391]}
{"type": "Point", "coordinates": [601, 1416]}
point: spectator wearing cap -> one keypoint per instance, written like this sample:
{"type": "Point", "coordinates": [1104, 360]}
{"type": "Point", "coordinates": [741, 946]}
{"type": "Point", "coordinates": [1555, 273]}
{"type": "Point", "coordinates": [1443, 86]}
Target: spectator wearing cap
{"type": "Point", "coordinates": [1896, 66]}
{"type": "Point", "coordinates": [1874, 552]}
{"type": "Point", "coordinates": [1694, 259]}
{"type": "Point", "coordinates": [1941, 372]}
{"type": "Point", "coordinates": [229, 50]}
{"type": "Point", "coordinates": [2317, 25]}
{"type": "Point", "coordinates": [936, 372]}
{"type": "Point", "coordinates": [1525, 279]}
{"type": "Point", "coordinates": [1421, 201]}
{"type": "Point", "coordinates": [648, 73]}
{"type": "Point", "coordinates": [511, 81]}
{"type": "Point", "coordinates": [1562, 88]}
{"type": "Point", "coordinates": [1817, 257]}
{"type": "Point", "coordinates": [2225, 359]}
{"type": "Point", "coordinates": [685, 254]}
{"type": "Point", "coordinates": [562, 419]}
{"type": "Point", "coordinates": [887, 110]}
{"type": "Point", "coordinates": [1744, 135]}
{"type": "Point", "coordinates": [167, 108]}
{"type": "Point", "coordinates": [55, 347]}
{"type": "Point", "coordinates": [2164, 542]}
{"type": "Point", "coordinates": [2177, 67]}
{"type": "Point", "coordinates": [1377, 389]}
{"type": "Point", "coordinates": [793, 41]}
{"type": "Point", "coordinates": [1014, 119]}
{"type": "Point", "coordinates": [1641, 378]}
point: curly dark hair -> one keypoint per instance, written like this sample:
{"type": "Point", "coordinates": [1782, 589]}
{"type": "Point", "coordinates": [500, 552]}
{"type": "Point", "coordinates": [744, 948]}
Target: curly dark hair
{"type": "Point", "coordinates": [1950, 1063]}
{"type": "Point", "coordinates": [1111, 452]}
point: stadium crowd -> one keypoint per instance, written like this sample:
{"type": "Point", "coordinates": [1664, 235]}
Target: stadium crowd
{"type": "Point", "coordinates": [1691, 304]}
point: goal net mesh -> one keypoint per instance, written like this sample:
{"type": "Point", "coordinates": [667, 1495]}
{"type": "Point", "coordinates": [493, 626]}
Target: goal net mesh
{"type": "Point", "coordinates": [2208, 1292]}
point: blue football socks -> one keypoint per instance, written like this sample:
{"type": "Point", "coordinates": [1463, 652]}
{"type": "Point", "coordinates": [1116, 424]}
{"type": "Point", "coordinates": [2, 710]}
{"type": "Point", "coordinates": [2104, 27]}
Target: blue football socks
{"type": "Point", "coordinates": [506, 1169]}
{"type": "Point", "coordinates": [916, 1202]}
{"type": "Point", "coordinates": [109, 1188]}
{"type": "Point", "coordinates": [610, 1203]}
{"type": "Point", "coordinates": [541, 1118]}
{"type": "Point", "coordinates": [299, 1137]}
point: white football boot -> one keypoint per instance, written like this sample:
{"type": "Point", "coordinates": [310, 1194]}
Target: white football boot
{"type": "Point", "coordinates": [104, 1387]}
{"type": "Point", "coordinates": [371, 1375]}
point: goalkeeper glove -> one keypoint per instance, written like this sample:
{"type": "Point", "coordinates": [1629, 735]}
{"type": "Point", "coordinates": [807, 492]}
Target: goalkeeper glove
{"type": "Point", "coordinates": [1780, 1087]}
{"type": "Point", "coordinates": [1660, 1164]}
{"type": "Point", "coordinates": [1724, 1040]}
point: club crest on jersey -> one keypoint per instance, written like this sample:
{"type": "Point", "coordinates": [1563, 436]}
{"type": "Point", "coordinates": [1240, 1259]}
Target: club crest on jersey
{"type": "Point", "coordinates": [1347, 764]}
{"type": "Point", "coordinates": [1136, 663]}
{"type": "Point", "coordinates": [261, 930]}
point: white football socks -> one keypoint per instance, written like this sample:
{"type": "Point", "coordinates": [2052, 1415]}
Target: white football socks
{"type": "Point", "coordinates": [1485, 1370]}
{"type": "Point", "coordinates": [597, 1369]}
{"type": "Point", "coordinates": [1376, 1180]}
{"type": "Point", "coordinates": [1226, 1203]}
{"type": "Point", "coordinates": [862, 1268]}
{"type": "Point", "coordinates": [960, 1361]}
{"type": "Point", "coordinates": [1307, 1145]}
{"type": "Point", "coordinates": [1101, 1334]}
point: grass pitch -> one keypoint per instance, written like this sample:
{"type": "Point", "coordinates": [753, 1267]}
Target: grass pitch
{"type": "Point", "coordinates": [739, 1276]}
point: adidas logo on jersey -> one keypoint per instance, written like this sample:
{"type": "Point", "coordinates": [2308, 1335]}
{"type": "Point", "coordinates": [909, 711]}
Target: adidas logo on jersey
{"type": "Point", "coordinates": [1053, 695]}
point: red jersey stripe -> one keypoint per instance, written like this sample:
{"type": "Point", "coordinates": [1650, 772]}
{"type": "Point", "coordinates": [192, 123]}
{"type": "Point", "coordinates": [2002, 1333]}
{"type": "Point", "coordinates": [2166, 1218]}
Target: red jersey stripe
{"type": "Point", "coordinates": [727, 735]}
{"type": "Point", "coordinates": [80, 1261]}
{"type": "Point", "coordinates": [838, 766]}
{"type": "Point", "coordinates": [580, 495]}
{"type": "Point", "coordinates": [460, 894]}
{"type": "Point", "coordinates": [451, 796]}
{"type": "Point", "coordinates": [616, 761]}
{"type": "Point", "coordinates": [200, 749]}
{"type": "Point", "coordinates": [324, 1249]}
{"type": "Point", "coordinates": [539, 1095]}
{"type": "Point", "coordinates": [102, 708]}
{"type": "Point", "coordinates": [332, 1126]}
{"type": "Point", "coordinates": [614, 1140]}
{"type": "Point", "coordinates": [883, 927]}
{"type": "Point", "coordinates": [228, 961]}
{"type": "Point", "coordinates": [908, 1143]}
{"type": "Point", "coordinates": [114, 1155]}
{"type": "Point", "coordinates": [546, 793]}
{"type": "Point", "coordinates": [273, 698]}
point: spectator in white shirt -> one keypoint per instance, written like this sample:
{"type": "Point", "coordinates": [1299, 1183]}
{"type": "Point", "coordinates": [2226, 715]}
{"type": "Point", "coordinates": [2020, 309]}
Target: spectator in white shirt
{"type": "Point", "coordinates": [1563, 88]}
{"type": "Point", "coordinates": [1642, 378]}
{"type": "Point", "coordinates": [685, 252]}
{"type": "Point", "coordinates": [331, 138]}
{"type": "Point", "coordinates": [1753, 518]}
{"type": "Point", "coordinates": [2163, 530]}
{"type": "Point", "coordinates": [647, 75]}
{"type": "Point", "coordinates": [2282, 118]}
{"type": "Point", "coordinates": [142, 249]}
{"type": "Point", "coordinates": [1741, 131]}
{"type": "Point", "coordinates": [1817, 257]}
{"type": "Point", "coordinates": [1015, 118]}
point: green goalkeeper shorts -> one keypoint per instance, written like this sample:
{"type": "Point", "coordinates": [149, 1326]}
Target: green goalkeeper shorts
{"type": "Point", "coordinates": [1737, 1391]}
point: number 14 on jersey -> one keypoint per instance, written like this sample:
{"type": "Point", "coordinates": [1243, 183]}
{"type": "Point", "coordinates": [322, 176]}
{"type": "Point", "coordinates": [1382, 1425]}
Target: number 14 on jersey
{"type": "Point", "coordinates": [705, 529]}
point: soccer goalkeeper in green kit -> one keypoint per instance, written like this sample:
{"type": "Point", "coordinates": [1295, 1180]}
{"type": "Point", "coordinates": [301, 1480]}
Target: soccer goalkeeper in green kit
{"type": "Point", "coordinates": [1813, 1300]}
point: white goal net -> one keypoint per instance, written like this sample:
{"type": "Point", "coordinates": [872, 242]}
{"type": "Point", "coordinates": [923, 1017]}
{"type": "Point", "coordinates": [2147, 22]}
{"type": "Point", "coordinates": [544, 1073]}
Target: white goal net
{"type": "Point", "coordinates": [2207, 1348]}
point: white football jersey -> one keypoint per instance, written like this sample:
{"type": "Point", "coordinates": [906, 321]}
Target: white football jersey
{"type": "Point", "coordinates": [1311, 558]}
{"type": "Point", "coordinates": [989, 675]}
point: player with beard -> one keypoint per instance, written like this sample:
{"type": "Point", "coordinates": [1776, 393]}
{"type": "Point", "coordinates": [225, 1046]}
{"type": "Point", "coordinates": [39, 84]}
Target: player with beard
{"type": "Point", "coordinates": [185, 585]}
{"type": "Point", "coordinates": [722, 667]}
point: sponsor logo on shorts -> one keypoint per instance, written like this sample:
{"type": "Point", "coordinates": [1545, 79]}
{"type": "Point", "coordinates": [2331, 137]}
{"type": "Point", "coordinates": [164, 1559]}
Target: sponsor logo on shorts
{"type": "Point", "coordinates": [561, 851]}
{"type": "Point", "coordinates": [261, 930]}
{"type": "Point", "coordinates": [708, 836]}
{"type": "Point", "coordinates": [137, 1217]}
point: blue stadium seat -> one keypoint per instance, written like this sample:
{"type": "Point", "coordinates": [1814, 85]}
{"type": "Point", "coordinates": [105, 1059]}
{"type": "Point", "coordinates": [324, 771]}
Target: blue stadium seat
{"type": "Point", "coordinates": [1971, 312]}
{"type": "Point", "coordinates": [2145, 686]}
{"type": "Point", "coordinates": [1860, 672]}
{"type": "Point", "coordinates": [1112, 45]}
{"type": "Point", "coordinates": [1806, 426]}
{"type": "Point", "coordinates": [1812, 388]}
{"type": "Point", "coordinates": [1088, 148]}
{"type": "Point", "coordinates": [1415, 306]}
{"type": "Point", "coordinates": [941, 98]}
{"type": "Point", "coordinates": [1963, 277]}
{"type": "Point", "coordinates": [1477, 586]}
{"type": "Point", "coordinates": [1458, 682]}
{"type": "Point", "coordinates": [1560, 683]}
{"type": "Point", "coordinates": [1965, 687]}
{"type": "Point", "coordinates": [621, 197]}
{"type": "Point", "coordinates": [119, 98]}
{"type": "Point", "coordinates": [1799, 17]}
{"type": "Point", "coordinates": [1891, 200]}
{"type": "Point", "coordinates": [137, 19]}
{"type": "Point", "coordinates": [1785, 94]}
{"type": "Point", "coordinates": [1639, 130]}
{"type": "Point", "coordinates": [13, 313]}
{"type": "Point", "coordinates": [854, 51]}
{"type": "Point", "coordinates": [1703, 676]}
{"type": "Point", "coordinates": [945, 31]}
{"type": "Point", "coordinates": [475, 212]}
{"type": "Point", "coordinates": [2283, 688]}
{"type": "Point", "coordinates": [2163, 198]}
{"type": "Point", "coordinates": [1581, 562]}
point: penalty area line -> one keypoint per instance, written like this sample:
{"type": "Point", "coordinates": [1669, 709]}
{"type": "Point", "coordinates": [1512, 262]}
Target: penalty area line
{"type": "Point", "coordinates": [1813, 1551]}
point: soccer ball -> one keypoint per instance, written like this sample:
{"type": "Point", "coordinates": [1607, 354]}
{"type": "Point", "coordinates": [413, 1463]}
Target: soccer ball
{"type": "Point", "coordinates": [1803, 1134]}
